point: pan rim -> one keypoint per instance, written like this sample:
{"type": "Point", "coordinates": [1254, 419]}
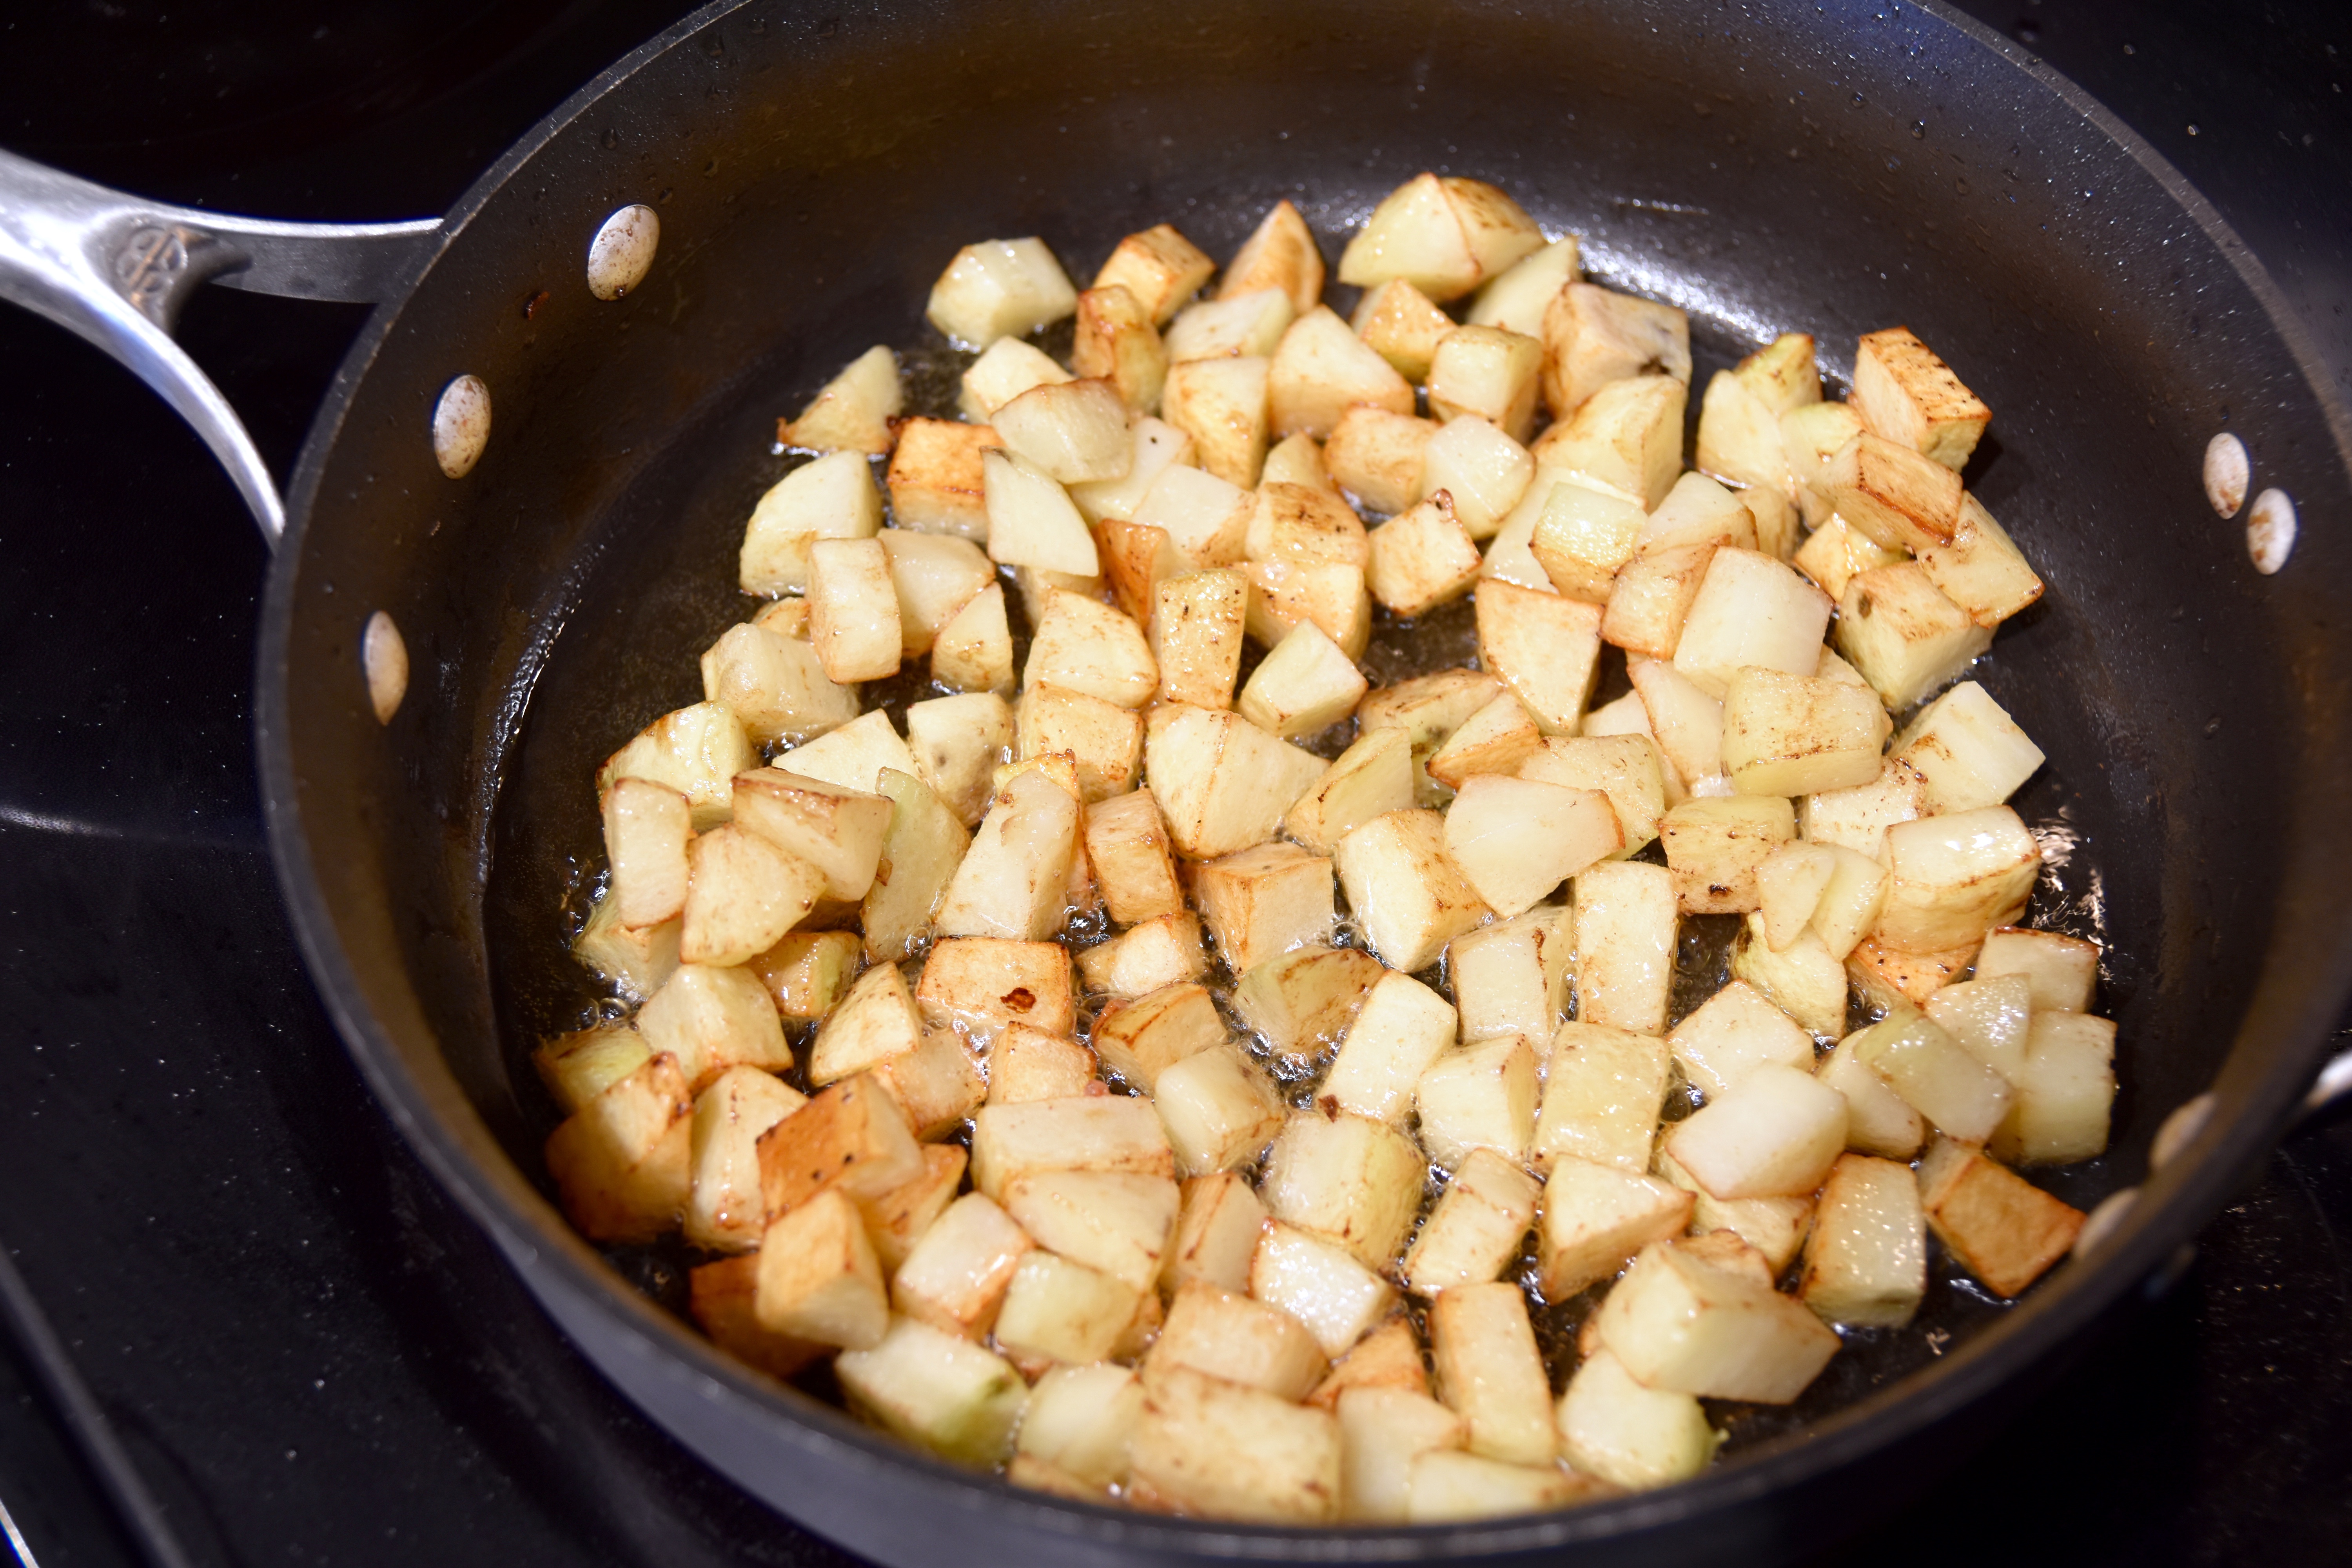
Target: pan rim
{"type": "Point", "coordinates": [2174, 1204]}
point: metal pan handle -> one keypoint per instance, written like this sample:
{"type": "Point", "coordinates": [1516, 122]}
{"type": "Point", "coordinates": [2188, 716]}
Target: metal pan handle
{"type": "Point", "coordinates": [117, 268]}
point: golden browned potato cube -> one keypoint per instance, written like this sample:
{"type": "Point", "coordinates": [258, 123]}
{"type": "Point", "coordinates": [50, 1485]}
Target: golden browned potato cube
{"type": "Point", "coordinates": [1421, 558]}
{"type": "Point", "coordinates": [1627, 437]}
{"type": "Point", "coordinates": [696, 751]}
{"type": "Point", "coordinates": [979, 984]}
{"type": "Point", "coordinates": [1119, 1222]}
{"type": "Point", "coordinates": [1898, 628]}
{"type": "Point", "coordinates": [852, 1135]}
{"type": "Point", "coordinates": [1302, 522]}
{"type": "Point", "coordinates": [1408, 897]}
{"type": "Point", "coordinates": [621, 1162]}
{"type": "Point", "coordinates": [578, 1067]}
{"type": "Point", "coordinates": [1059, 1311]}
{"type": "Point", "coordinates": [1280, 253]}
{"type": "Point", "coordinates": [1476, 1227]}
{"type": "Point", "coordinates": [818, 1277]}
{"type": "Point", "coordinates": [832, 498]}
{"type": "Point", "coordinates": [1594, 1217]}
{"type": "Point", "coordinates": [1480, 1097]}
{"type": "Point", "coordinates": [1837, 553]}
{"type": "Point", "coordinates": [1445, 235]}
{"type": "Point", "coordinates": [1544, 647]}
{"type": "Point", "coordinates": [1904, 393]}
{"type": "Point", "coordinates": [1401, 1027]}
{"type": "Point", "coordinates": [1226, 1451]}
{"type": "Point", "coordinates": [1981, 570]}
{"type": "Point", "coordinates": [1219, 1110]}
{"type": "Point", "coordinates": [1103, 740]}
{"type": "Point", "coordinates": [722, 1299]}
{"type": "Point", "coordinates": [1889, 977]}
{"type": "Point", "coordinates": [1025, 1064]}
{"type": "Point", "coordinates": [875, 1022]}
{"type": "Point", "coordinates": [1352, 1180]}
{"type": "Point", "coordinates": [1487, 472]}
{"type": "Point", "coordinates": [955, 1276]}
{"type": "Point", "coordinates": [1401, 324]}
{"type": "Point", "coordinates": [1264, 900]}
{"type": "Point", "coordinates": [1490, 374]}
{"type": "Point", "coordinates": [743, 893]}
{"type": "Point", "coordinates": [1198, 623]}
{"type": "Point", "coordinates": [2003, 1229]}
{"type": "Point", "coordinates": [1788, 734]}
{"type": "Point", "coordinates": [1858, 818]}
{"type": "Point", "coordinates": [1221, 404]}
{"type": "Point", "coordinates": [1866, 1258]}
{"type": "Point", "coordinates": [1206, 518]}
{"type": "Point", "coordinates": [1713, 848]}
{"type": "Point", "coordinates": [1511, 978]}
{"type": "Point", "coordinates": [1331, 595]}
{"type": "Point", "coordinates": [1141, 1040]}
{"type": "Point", "coordinates": [1953, 878]}
{"type": "Point", "coordinates": [1224, 1334]}
{"type": "Point", "coordinates": [1301, 1002]}
{"type": "Point", "coordinates": [1388, 1357]}
{"type": "Point", "coordinates": [1584, 537]}
{"type": "Point", "coordinates": [773, 685]}
{"type": "Point", "coordinates": [1079, 1133]}
{"type": "Point", "coordinates": [937, 1084]}
{"type": "Point", "coordinates": [1379, 453]}
{"type": "Point", "coordinates": [1117, 341]}
{"type": "Point", "coordinates": [1651, 596]}
{"type": "Point", "coordinates": [1901, 500]}
{"type": "Point", "coordinates": [1014, 879]}
{"type": "Point", "coordinates": [1159, 266]}
{"type": "Point", "coordinates": [1626, 768]}
{"type": "Point", "coordinates": [1593, 336]}
{"type": "Point", "coordinates": [1498, 738]}
{"type": "Point", "coordinates": [647, 827]}
{"type": "Point", "coordinates": [1216, 1234]}
{"type": "Point", "coordinates": [1128, 843]}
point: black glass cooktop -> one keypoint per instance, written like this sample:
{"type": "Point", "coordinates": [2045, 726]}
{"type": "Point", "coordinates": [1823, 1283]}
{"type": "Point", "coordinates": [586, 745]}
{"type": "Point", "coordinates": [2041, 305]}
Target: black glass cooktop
{"type": "Point", "coordinates": [305, 1354]}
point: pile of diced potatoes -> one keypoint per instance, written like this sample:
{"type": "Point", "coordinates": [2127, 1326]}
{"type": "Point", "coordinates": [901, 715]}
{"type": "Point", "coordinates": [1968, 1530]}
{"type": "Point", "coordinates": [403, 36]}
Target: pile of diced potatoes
{"type": "Point", "coordinates": [1382, 1048]}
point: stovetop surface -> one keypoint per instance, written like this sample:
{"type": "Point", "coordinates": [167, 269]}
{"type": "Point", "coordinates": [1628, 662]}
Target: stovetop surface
{"type": "Point", "coordinates": [309, 1353]}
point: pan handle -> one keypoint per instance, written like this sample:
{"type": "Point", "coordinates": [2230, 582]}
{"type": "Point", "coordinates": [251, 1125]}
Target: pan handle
{"type": "Point", "coordinates": [117, 268]}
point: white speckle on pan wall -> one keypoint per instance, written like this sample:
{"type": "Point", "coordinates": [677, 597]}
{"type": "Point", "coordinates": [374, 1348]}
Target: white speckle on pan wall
{"type": "Point", "coordinates": [2270, 530]}
{"type": "Point", "coordinates": [2226, 472]}
{"type": "Point", "coordinates": [384, 658]}
{"type": "Point", "coordinates": [461, 425]}
{"type": "Point", "coordinates": [623, 251]}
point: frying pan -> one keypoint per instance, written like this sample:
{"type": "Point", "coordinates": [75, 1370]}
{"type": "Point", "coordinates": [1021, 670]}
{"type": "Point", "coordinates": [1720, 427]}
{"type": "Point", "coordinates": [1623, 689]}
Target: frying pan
{"type": "Point", "coordinates": [1834, 168]}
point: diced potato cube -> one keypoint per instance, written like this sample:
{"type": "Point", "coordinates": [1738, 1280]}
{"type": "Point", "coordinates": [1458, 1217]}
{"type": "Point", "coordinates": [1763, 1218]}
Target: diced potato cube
{"type": "Point", "coordinates": [957, 742]}
{"type": "Point", "coordinates": [1353, 1180]}
{"type": "Point", "coordinates": [1280, 253]}
{"type": "Point", "coordinates": [1890, 980]}
{"type": "Point", "coordinates": [1380, 454]}
{"type": "Point", "coordinates": [647, 827]}
{"type": "Point", "coordinates": [919, 855]}
{"type": "Point", "coordinates": [1750, 610]}
{"type": "Point", "coordinates": [1866, 1259]}
{"type": "Point", "coordinates": [1497, 739]}
{"type": "Point", "coordinates": [742, 894]}
{"type": "Point", "coordinates": [1032, 521]}
{"type": "Point", "coordinates": [937, 1084]}
{"type": "Point", "coordinates": [1321, 369]}
{"type": "Point", "coordinates": [1157, 448]}
{"type": "Point", "coordinates": [1222, 783]}
{"type": "Point", "coordinates": [832, 498]}
{"type": "Point", "coordinates": [1546, 647]}
{"type": "Point", "coordinates": [978, 985]}
{"type": "Point", "coordinates": [2061, 969]}
{"type": "Point", "coordinates": [1594, 1217]}
{"type": "Point", "coordinates": [1959, 1095]}
{"type": "Point", "coordinates": [1851, 902]}
{"type": "Point", "coordinates": [1968, 752]}
{"type": "Point", "coordinates": [1117, 341]}
{"type": "Point", "coordinates": [876, 1022]}
{"type": "Point", "coordinates": [1216, 1235]}
{"type": "Point", "coordinates": [1159, 266]}
{"type": "Point", "coordinates": [1429, 708]}
{"type": "Point", "coordinates": [1990, 1017]}
{"type": "Point", "coordinates": [1084, 1133]}
{"type": "Point", "coordinates": [1207, 1447]}
{"type": "Point", "coordinates": [1484, 471]}
{"type": "Point", "coordinates": [1517, 300]}
{"type": "Point", "coordinates": [936, 1390]}
{"type": "Point", "coordinates": [2003, 1229]}
{"type": "Point", "coordinates": [1775, 1133]}
{"type": "Point", "coordinates": [1679, 1324]}
{"type": "Point", "coordinates": [1026, 1064]}
{"type": "Point", "coordinates": [1593, 337]}
{"type": "Point", "coordinates": [1686, 723]}
{"type": "Point", "coordinates": [1981, 570]}
{"type": "Point", "coordinates": [1222, 404]}
{"type": "Point", "coordinates": [1858, 818]}
{"type": "Point", "coordinates": [1511, 978]}
{"type": "Point", "coordinates": [1699, 510]}
{"type": "Point", "coordinates": [1206, 518]}
{"type": "Point", "coordinates": [1059, 1311]}
{"type": "Point", "coordinates": [1625, 919]}
{"type": "Point", "coordinates": [1305, 685]}
{"type": "Point", "coordinates": [1509, 556]}
{"type": "Point", "coordinates": [933, 576]}
{"type": "Point", "coordinates": [1197, 628]}
{"type": "Point", "coordinates": [1381, 1432]}
{"type": "Point", "coordinates": [1627, 439]}
{"type": "Point", "coordinates": [1796, 734]}
{"type": "Point", "coordinates": [1401, 324]}
{"type": "Point", "coordinates": [1811, 435]}
{"type": "Point", "coordinates": [818, 1277]}
{"type": "Point", "coordinates": [1264, 901]}
{"type": "Point", "coordinates": [712, 1017]}
{"type": "Point", "coordinates": [1406, 893]}
{"type": "Point", "coordinates": [1141, 1040]}
{"type": "Point", "coordinates": [1735, 1031]}
{"type": "Point", "coordinates": [1626, 768]}
{"type": "Point", "coordinates": [1582, 537]}
{"type": "Point", "coordinates": [1482, 1096]}
{"type": "Point", "coordinates": [1603, 1090]}
{"type": "Point", "coordinates": [1445, 236]}
{"type": "Point", "coordinates": [776, 688]}
{"type": "Point", "coordinates": [1000, 288]}
{"type": "Point", "coordinates": [1803, 980]}
{"type": "Point", "coordinates": [696, 751]}
{"type": "Point", "coordinates": [973, 651]}
{"type": "Point", "coordinates": [1516, 839]}
{"type": "Point", "coordinates": [1476, 1227]}
{"type": "Point", "coordinates": [578, 1067]}
{"type": "Point", "coordinates": [1953, 878]}
{"type": "Point", "coordinates": [1012, 880]}
{"type": "Point", "coordinates": [1773, 1227]}
{"type": "Point", "coordinates": [1319, 1283]}
{"type": "Point", "coordinates": [854, 410]}
{"type": "Point", "coordinates": [840, 831]}
{"type": "Point", "coordinates": [1116, 1222]}
{"type": "Point", "coordinates": [852, 756]}
{"type": "Point", "coordinates": [1301, 1002]}
{"type": "Point", "coordinates": [1788, 886]}
{"type": "Point", "coordinates": [1224, 1334]}
{"type": "Point", "coordinates": [935, 477]}
{"type": "Point", "coordinates": [1901, 500]}
{"type": "Point", "coordinates": [1448, 1487]}
{"type": "Point", "coordinates": [1388, 1357]}
{"type": "Point", "coordinates": [1331, 595]}
{"type": "Point", "coordinates": [1904, 636]}
{"type": "Point", "coordinates": [955, 1276]}
{"type": "Point", "coordinates": [1487, 373]}
{"type": "Point", "coordinates": [723, 1300]}
{"type": "Point", "coordinates": [1371, 778]}
{"type": "Point", "coordinates": [1298, 461]}
{"type": "Point", "coordinates": [1080, 1420]}
{"type": "Point", "coordinates": [1248, 325]}
{"type": "Point", "coordinates": [1904, 393]}
{"type": "Point", "coordinates": [1637, 1438]}
{"type": "Point", "coordinates": [620, 1160]}
{"type": "Point", "coordinates": [1713, 848]}
{"type": "Point", "coordinates": [1159, 952]}
{"type": "Point", "coordinates": [1083, 645]}
{"type": "Point", "coordinates": [1490, 1373]}
{"type": "Point", "coordinates": [852, 1135]}
{"type": "Point", "coordinates": [2064, 1092]}
{"type": "Point", "coordinates": [1740, 435]}
{"type": "Point", "coordinates": [1836, 553]}
{"type": "Point", "coordinates": [1403, 1026]}
{"type": "Point", "coordinates": [1103, 742]}
{"type": "Point", "coordinates": [1650, 597]}
{"type": "Point", "coordinates": [1303, 523]}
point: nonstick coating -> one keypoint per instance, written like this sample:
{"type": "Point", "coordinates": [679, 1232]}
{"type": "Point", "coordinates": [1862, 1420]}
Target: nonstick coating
{"type": "Point", "coordinates": [1833, 169]}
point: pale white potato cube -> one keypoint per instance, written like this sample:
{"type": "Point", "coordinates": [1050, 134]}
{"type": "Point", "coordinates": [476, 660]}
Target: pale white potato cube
{"type": "Point", "coordinates": [1487, 373]}
{"type": "Point", "coordinates": [832, 498]}
{"type": "Point", "coordinates": [1206, 518]}
{"type": "Point", "coordinates": [1497, 739]}
{"type": "Point", "coordinates": [1858, 818]}
{"type": "Point", "coordinates": [1009, 368]}
{"type": "Point", "coordinates": [1371, 779]}
{"type": "Point", "coordinates": [708, 1018]}
{"type": "Point", "coordinates": [1159, 266]}
{"type": "Point", "coordinates": [1788, 886]}
{"type": "Point", "coordinates": [958, 743]}
{"type": "Point", "coordinates": [1408, 896]}
{"type": "Point", "coordinates": [853, 411]}
{"type": "Point", "coordinates": [1626, 913]}
{"type": "Point", "coordinates": [1321, 369]}
{"type": "Point", "coordinates": [1960, 1096]}
{"type": "Point", "coordinates": [838, 830]}
{"type": "Point", "coordinates": [1059, 1311]}
{"type": "Point", "coordinates": [1026, 1064]}
{"type": "Point", "coordinates": [1197, 627]}
{"type": "Point", "coordinates": [1401, 324]}
{"type": "Point", "coordinates": [1381, 1432]}
{"type": "Point", "coordinates": [1603, 1090]}
{"type": "Point", "coordinates": [1421, 558]}
{"type": "Point", "coordinates": [2061, 969]}
{"type": "Point", "coordinates": [1810, 436]}
{"type": "Point", "coordinates": [1445, 235]}
{"type": "Point", "coordinates": [2002, 1228]}
{"type": "Point", "coordinates": [1582, 537]}
{"type": "Point", "coordinates": [818, 1277]}
{"type": "Point", "coordinates": [1449, 1486]}
{"type": "Point", "coordinates": [1083, 645]}
{"type": "Point", "coordinates": [1627, 439]}
{"type": "Point", "coordinates": [1224, 1334]}
{"type": "Point", "coordinates": [1851, 902]}
{"type": "Point", "coordinates": [1774, 1228]}
{"type": "Point", "coordinates": [1482, 1096]}
{"type": "Point", "coordinates": [725, 1211]}
{"type": "Point", "coordinates": [1699, 510]}
{"type": "Point", "coordinates": [1511, 978]}
{"type": "Point", "coordinates": [647, 827]}
{"type": "Point", "coordinates": [955, 1277]}
{"type": "Point", "coordinates": [1222, 404]}
{"type": "Point", "coordinates": [1635, 1437]}
{"type": "Point", "coordinates": [1380, 454]}
{"type": "Point", "coordinates": [1516, 300]}
{"type": "Point", "coordinates": [1216, 1235]}
{"type": "Point", "coordinates": [1751, 609]}
{"type": "Point", "coordinates": [1116, 1222]}
{"type": "Point", "coordinates": [1516, 839]}
{"type": "Point", "coordinates": [1679, 1324]}
{"type": "Point", "coordinates": [1352, 1180]}
{"type": "Point", "coordinates": [1402, 1028]}
{"type": "Point", "coordinates": [1157, 447]}
{"type": "Point", "coordinates": [1080, 1420]}
{"type": "Point", "coordinates": [937, 1084]}
{"type": "Point", "coordinates": [852, 756]}
{"type": "Point", "coordinates": [1280, 253]}
{"type": "Point", "coordinates": [1304, 1001]}
{"type": "Point", "coordinates": [1904, 636]}
{"type": "Point", "coordinates": [1320, 1283]}
{"type": "Point", "coordinates": [1740, 435]}
{"type": "Point", "coordinates": [1981, 570]}
{"type": "Point", "coordinates": [696, 751]}
{"type": "Point", "coordinates": [876, 1022]}
{"type": "Point", "coordinates": [1733, 1032]}
{"type": "Point", "coordinates": [1117, 340]}
{"type": "Point", "coordinates": [973, 650]}
{"type": "Point", "coordinates": [935, 477]}
{"type": "Point", "coordinates": [1836, 553]}
{"type": "Point", "coordinates": [742, 895]}
{"type": "Point", "coordinates": [620, 1160]}
{"type": "Point", "coordinates": [977, 986]}
{"type": "Point", "coordinates": [1305, 685]}
{"type": "Point", "coordinates": [1031, 521]}
{"type": "Point", "coordinates": [1866, 1259]}
{"type": "Point", "coordinates": [1141, 1040]}
{"type": "Point", "coordinates": [1388, 1357]}
{"type": "Point", "coordinates": [1474, 1231]}
{"type": "Point", "coordinates": [1247, 325]}
{"type": "Point", "coordinates": [1011, 880]}
{"type": "Point", "coordinates": [1298, 461]}
{"type": "Point", "coordinates": [1713, 848]}
{"type": "Point", "coordinates": [1898, 498]}
{"type": "Point", "coordinates": [1626, 768]}
{"type": "Point", "coordinates": [1222, 783]}
{"type": "Point", "coordinates": [2065, 1094]}
{"type": "Point", "coordinates": [1968, 752]}
{"type": "Point", "coordinates": [1219, 1110]}
{"type": "Point", "coordinates": [1775, 1133]}
{"type": "Point", "coordinates": [939, 1391]}
{"type": "Point", "coordinates": [1650, 597]}
{"type": "Point", "coordinates": [1593, 336]}
{"type": "Point", "coordinates": [1798, 735]}
{"type": "Point", "coordinates": [1483, 1349]}
{"type": "Point", "coordinates": [998, 289]}
{"type": "Point", "coordinates": [1990, 1016]}
{"type": "Point", "coordinates": [774, 685]}
{"type": "Point", "coordinates": [1484, 469]}
{"type": "Point", "coordinates": [932, 576]}
{"type": "Point", "coordinates": [1596, 1216]}
{"type": "Point", "coordinates": [809, 972]}
{"type": "Point", "coordinates": [1783, 374]}
{"type": "Point", "coordinates": [1626, 716]}
{"type": "Point", "coordinates": [1219, 1450]}
{"type": "Point", "coordinates": [1907, 394]}
{"type": "Point", "coordinates": [1264, 901]}
{"type": "Point", "coordinates": [1546, 647]}
{"type": "Point", "coordinates": [1953, 878]}
{"type": "Point", "coordinates": [1686, 721]}
{"type": "Point", "coordinates": [1801, 980]}
{"type": "Point", "coordinates": [1072, 432]}
{"type": "Point", "coordinates": [1331, 595]}
{"type": "Point", "coordinates": [1509, 556]}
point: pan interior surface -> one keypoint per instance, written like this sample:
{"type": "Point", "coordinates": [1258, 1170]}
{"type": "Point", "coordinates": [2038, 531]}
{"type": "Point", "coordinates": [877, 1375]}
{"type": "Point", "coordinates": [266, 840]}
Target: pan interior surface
{"type": "Point", "coordinates": [1770, 168]}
